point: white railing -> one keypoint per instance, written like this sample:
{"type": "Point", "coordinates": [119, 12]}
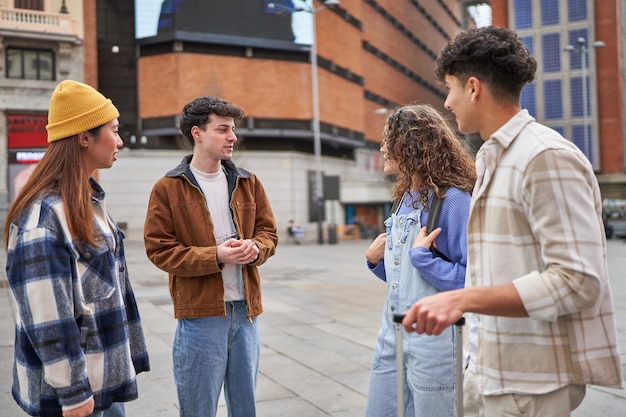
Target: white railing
{"type": "Point", "coordinates": [38, 21]}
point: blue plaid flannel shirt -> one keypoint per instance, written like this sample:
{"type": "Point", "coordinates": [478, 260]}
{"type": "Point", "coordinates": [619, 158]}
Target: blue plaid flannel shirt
{"type": "Point", "coordinates": [78, 331]}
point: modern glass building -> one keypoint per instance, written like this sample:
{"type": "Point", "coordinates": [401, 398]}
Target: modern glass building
{"type": "Point", "coordinates": [578, 90]}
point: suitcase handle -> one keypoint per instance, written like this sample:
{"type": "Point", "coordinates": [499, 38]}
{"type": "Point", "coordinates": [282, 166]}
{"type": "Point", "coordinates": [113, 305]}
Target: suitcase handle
{"type": "Point", "coordinates": [398, 317]}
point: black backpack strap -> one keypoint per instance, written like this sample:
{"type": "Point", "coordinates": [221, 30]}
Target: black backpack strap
{"type": "Point", "coordinates": [394, 206]}
{"type": "Point", "coordinates": [433, 213]}
{"type": "Point", "coordinates": [431, 223]}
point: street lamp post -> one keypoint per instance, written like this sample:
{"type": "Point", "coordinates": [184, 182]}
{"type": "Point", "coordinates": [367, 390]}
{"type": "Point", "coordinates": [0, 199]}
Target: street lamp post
{"type": "Point", "coordinates": [318, 188]}
{"type": "Point", "coordinates": [318, 194]}
{"type": "Point", "coordinates": [582, 48]}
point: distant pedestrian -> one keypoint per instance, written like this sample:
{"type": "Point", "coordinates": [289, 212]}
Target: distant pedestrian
{"type": "Point", "coordinates": [295, 231]}
{"type": "Point", "coordinates": [210, 225]}
{"type": "Point", "coordinates": [537, 275]}
{"type": "Point", "coordinates": [78, 338]}
{"type": "Point", "coordinates": [428, 158]}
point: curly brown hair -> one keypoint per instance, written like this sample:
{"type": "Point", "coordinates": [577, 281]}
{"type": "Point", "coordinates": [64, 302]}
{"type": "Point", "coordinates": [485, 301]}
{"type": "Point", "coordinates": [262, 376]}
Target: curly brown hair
{"type": "Point", "coordinates": [497, 56]}
{"type": "Point", "coordinates": [427, 151]}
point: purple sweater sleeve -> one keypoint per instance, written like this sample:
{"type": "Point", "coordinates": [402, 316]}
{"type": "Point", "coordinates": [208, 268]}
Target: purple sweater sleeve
{"type": "Point", "coordinates": [378, 270]}
{"type": "Point", "coordinates": [452, 241]}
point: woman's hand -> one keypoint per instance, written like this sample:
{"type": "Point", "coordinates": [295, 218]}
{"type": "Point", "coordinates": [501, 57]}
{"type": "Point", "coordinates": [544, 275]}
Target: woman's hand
{"type": "Point", "coordinates": [426, 240]}
{"type": "Point", "coordinates": [376, 251]}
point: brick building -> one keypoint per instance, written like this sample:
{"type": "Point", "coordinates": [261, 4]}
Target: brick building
{"type": "Point", "coordinates": [372, 56]}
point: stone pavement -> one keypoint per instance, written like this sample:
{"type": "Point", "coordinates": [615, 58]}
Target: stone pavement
{"type": "Point", "coordinates": [322, 313]}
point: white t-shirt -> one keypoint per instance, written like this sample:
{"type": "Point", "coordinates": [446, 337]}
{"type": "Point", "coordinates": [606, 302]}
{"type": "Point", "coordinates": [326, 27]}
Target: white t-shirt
{"type": "Point", "coordinates": [215, 189]}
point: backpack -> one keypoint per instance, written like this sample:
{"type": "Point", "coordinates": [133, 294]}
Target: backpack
{"type": "Point", "coordinates": [431, 222]}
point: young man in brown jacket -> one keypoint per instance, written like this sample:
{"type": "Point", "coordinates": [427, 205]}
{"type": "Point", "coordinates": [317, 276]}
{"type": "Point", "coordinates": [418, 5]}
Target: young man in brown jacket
{"type": "Point", "coordinates": [209, 225]}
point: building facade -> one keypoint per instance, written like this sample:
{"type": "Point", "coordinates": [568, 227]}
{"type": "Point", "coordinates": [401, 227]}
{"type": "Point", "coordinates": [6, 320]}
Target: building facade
{"type": "Point", "coordinates": [579, 88]}
{"type": "Point", "coordinates": [372, 55]}
{"type": "Point", "coordinates": [41, 43]}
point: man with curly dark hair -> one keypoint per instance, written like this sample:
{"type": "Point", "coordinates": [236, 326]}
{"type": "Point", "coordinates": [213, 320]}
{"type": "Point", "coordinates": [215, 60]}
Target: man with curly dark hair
{"type": "Point", "coordinates": [543, 324]}
{"type": "Point", "coordinates": [210, 226]}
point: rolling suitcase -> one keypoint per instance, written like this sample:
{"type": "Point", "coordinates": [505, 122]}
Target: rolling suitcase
{"type": "Point", "coordinates": [458, 346]}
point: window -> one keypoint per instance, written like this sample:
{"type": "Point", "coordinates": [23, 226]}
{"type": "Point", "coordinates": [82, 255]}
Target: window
{"type": "Point", "coordinates": [549, 12]}
{"type": "Point", "coordinates": [577, 104]}
{"type": "Point", "coordinates": [551, 49]}
{"type": "Point", "coordinates": [29, 4]}
{"type": "Point", "coordinates": [523, 14]}
{"type": "Point", "coordinates": [553, 103]}
{"type": "Point", "coordinates": [30, 64]}
{"type": "Point", "coordinates": [576, 10]}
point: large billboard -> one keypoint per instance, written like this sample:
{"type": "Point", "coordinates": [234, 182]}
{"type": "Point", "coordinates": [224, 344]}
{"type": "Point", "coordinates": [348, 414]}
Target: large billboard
{"type": "Point", "coordinates": [280, 24]}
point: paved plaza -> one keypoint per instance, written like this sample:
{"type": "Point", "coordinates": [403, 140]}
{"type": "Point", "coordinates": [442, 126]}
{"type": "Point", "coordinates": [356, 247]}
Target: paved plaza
{"type": "Point", "coordinates": [322, 313]}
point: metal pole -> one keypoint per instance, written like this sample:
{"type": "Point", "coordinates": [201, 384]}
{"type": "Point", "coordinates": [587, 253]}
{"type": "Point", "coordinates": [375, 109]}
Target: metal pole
{"type": "Point", "coordinates": [317, 140]}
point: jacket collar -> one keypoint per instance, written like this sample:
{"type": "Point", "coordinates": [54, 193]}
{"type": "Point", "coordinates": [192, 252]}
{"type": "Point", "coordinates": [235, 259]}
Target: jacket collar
{"type": "Point", "coordinates": [227, 164]}
{"type": "Point", "coordinates": [97, 191]}
{"type": "Point", "coordinates": [511, 129]}
{"type": "Point", "coordinates": [490, 152]}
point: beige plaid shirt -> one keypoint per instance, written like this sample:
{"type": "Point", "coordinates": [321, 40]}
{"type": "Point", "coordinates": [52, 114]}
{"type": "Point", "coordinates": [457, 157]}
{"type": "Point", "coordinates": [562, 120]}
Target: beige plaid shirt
{"type": "Point", "coordinates": [535, 220]}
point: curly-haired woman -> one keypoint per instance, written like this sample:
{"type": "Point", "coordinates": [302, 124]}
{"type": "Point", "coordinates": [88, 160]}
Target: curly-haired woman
{"type": "Point", "coordinates": [428, 158]}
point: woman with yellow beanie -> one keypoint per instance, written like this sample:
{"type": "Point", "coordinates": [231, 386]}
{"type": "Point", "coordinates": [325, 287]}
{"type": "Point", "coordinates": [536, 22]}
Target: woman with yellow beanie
{"type": "Point", "coordinates": [78, 340]}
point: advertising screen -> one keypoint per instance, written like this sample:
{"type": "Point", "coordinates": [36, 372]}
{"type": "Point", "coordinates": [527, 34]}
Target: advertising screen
{"type": "Point", "coordinates": [280, 24]}
{"type": "Point", "coordinates": [27, 142]}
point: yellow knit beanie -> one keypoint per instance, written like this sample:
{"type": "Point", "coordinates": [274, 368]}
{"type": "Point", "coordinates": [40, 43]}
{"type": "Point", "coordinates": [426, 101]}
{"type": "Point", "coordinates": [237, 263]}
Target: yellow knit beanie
{"type": "Point", "coordinates": [75, 108]}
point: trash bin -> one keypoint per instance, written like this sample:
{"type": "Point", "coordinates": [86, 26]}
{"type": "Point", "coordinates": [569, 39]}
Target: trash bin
{"type": "Point", "coordinates": [332, 233]}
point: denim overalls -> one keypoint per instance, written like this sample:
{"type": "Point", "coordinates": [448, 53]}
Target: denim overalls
{"type": "Point", "coordinates": [429, 361]}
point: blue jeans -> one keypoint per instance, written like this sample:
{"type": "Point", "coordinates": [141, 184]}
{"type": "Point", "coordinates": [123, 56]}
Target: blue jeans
{"type": "Point", "coordinates": [116, 410]}
{"type": "Point", "coordinates": [212, 352]}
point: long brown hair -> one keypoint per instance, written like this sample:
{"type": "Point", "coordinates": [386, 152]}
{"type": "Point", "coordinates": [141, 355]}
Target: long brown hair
{"type": "Point", "coordinates": [428, 152]}
{"type": "Point", "coordinates": [60, 172]}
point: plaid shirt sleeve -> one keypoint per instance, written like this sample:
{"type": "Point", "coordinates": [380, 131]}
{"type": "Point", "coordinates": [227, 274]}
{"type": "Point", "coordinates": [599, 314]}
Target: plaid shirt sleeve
{"type": "Point", "coordinates": [43, 282]}
{"type": "Point", "coordinates": [560, 206]}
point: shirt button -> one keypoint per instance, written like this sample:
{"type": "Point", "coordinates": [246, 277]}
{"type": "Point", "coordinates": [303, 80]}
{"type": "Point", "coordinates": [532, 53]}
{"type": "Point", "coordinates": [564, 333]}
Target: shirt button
{"type": "Point", "coordinates": [393, 309]}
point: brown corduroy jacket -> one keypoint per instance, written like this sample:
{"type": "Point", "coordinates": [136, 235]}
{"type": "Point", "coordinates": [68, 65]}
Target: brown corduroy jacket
{"type": "Point", "coordinates": [179, 239]}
